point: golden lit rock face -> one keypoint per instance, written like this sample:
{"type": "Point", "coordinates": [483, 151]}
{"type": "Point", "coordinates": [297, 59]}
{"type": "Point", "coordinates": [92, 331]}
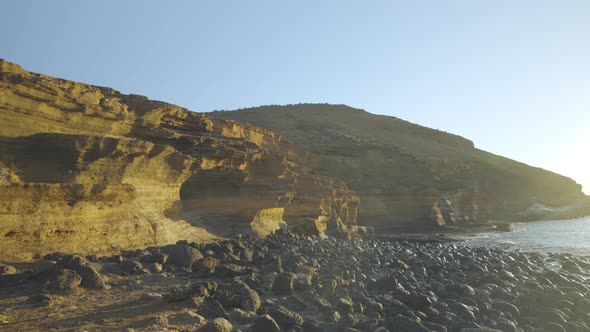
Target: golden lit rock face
{"type": "Point", "coordinates": [87, 169]}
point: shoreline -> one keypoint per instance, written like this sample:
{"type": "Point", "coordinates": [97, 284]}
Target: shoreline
{"type": "Point", "coordinates": [447, 233]}
{"type": "Point", "coordinates": [508, 235]}
{"type": "Point", "coordinates": [292, 282]}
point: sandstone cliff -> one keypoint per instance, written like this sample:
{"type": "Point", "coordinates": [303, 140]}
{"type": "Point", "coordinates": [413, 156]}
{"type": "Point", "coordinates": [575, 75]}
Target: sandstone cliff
{"type": "Point", "coordinates": [88, 169]}
{"type": "Point", "coordinates": [408, 175]}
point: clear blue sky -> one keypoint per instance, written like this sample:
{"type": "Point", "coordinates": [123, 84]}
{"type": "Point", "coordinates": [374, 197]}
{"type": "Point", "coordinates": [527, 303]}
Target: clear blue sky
{"type": "Point", "coordinates": [514, 76]}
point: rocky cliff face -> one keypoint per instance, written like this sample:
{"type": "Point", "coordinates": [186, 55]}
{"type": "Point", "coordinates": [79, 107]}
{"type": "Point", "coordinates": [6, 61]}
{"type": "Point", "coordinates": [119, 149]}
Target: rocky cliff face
{"type": "Point", "coordinates": [410, 176]}
{"type": "Point", "coordinates": [88, 169]}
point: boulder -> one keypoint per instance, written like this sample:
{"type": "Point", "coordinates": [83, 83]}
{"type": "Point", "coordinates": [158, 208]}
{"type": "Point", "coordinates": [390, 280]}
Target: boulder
{"type": "Point", "coordinates": [434, 327]}
{"type": "Point", "coordinates": [461, 289]}
{"type": "Point", "coordinates": [265, 324]}
{"type": "Point", "coordinates": [285, 317]}
{"type": "Point", "coordinates": [238, 295]}
{"type": "Point", "coordinates": [212, 309]}
{"type": "Point", "coordinates": [402, 323]}
{"type": "Point", "coordinates": [343, 305]}
{"type": "Point", "coordinates": [181, 255]}
{"type": "Point", "coordinates": [385, 284]}
{"type": "Point", "coordinates": [216, 325]}
{"type": "Point", "coordinates": [132, 266]}
{"type": "Point", "coordinates": [239, 316]}
{"type": "Point", "coordinates": [199, 291]}
{"type": "Point", "coordinates": [205, 265]}
{"type": "Point", "coordinates": [231, 270]}
{"type": "Point", "coordinates": [417, 301]}
{"type": "Point", "coordinates": [283, 284]}
{"type": "Point", "coordinates": [504, 306]}
{"type": "Point", "coordinates": [90, 276]}
{"type": "Point", "coordinates": [153, 267]}
{"type": "Point", "coordinates": [373, 306]}
{"type": "Point", "coordinates": [44, 266]}
{"type": "Point", "coordinates": [64, 281]}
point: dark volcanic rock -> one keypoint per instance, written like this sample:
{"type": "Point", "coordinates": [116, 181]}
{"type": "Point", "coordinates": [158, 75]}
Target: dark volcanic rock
{"type": "Point", "coordinates": [90, 276]}
{"type": "Point", "coordinates": [197, 292]}
{"type": "Point", "coordinates": [216, 325]}
{"type": "Point", "coordinates": [285, 317]}
{"type": "Point", "coordinates": [181, 255]}
{"type": "Point", "coordinates": [43, 267]}
{"type": "Point", "coordinates": [240, 316]}
{"type": "Point", "coordinates": [205, 265]}
{"type": "Point", "coordinates": [402, 323]}
{"type": "Point", "coordinates": [231, 270]}
{"type": "Point", "coordinates": [283, 284]}
{"type": "Point", "coordinates": [358, 285]}
{"type": "Point", "coordinates": [238, 295]}
{"type": "Point", "coordinates": [132, 266]}
{"type": "Point", "coordinates": [343, 305]}
{"type": "Point", "coordinates": [212, 309]}
{"type": "Point", "coordinates": [417, 301]}
{"type": "Point", "coordinates": [503, 306]}
{"type": "Point", "coordinates": [385, 284]}
{"type": "Point", "coordinates": [461, 289]}
{"type": "Point", "coordinates": [265, 324]}
{"type": "Point", "coordinates": [64, 281]}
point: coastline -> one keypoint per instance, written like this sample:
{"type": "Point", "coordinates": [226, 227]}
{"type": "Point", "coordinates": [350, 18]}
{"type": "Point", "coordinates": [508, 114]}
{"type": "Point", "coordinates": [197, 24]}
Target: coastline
{"type": "Point", "coordinates": [544, 235]}
{"type": "Point", "coordinates": [447, 233]}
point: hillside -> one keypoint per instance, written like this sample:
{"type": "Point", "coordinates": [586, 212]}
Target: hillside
{"type": "Point", "coordinates": [409, 175]}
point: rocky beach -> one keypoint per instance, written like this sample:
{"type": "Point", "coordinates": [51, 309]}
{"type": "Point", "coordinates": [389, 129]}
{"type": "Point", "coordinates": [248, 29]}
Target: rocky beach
{"type": "Point", "coordinates": [295, 282]}
{"type": "Point", "coordinates": [121, 213]}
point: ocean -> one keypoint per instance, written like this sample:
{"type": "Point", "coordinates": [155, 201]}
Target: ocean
{"type": "Point", "coordinates": [571, 236]}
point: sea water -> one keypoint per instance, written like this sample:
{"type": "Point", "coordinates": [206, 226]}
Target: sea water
{"type": "Point", "coordinates": [572, 236]}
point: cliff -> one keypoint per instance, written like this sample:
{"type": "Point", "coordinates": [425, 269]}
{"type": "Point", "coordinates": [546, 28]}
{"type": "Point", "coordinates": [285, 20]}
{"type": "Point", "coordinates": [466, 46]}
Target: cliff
{"type": "Point", "coordinates": [88, 169]}
{"type": "Point", "coordinates": [409, 176]}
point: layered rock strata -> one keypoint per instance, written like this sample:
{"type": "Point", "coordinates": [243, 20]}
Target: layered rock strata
{"type": "Point", "coordinates": [409, 176]}
{"type": "Point", "coordinates": [88, 169]}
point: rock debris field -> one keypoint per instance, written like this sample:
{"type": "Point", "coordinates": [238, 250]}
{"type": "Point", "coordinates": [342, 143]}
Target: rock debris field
{"type": "Point", "coordinates": [293, 282]}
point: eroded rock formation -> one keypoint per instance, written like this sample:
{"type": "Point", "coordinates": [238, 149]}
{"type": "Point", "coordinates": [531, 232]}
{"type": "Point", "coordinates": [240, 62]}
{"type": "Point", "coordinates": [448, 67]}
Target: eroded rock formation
{"type": "Point", "coordinates": [88, 169]}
